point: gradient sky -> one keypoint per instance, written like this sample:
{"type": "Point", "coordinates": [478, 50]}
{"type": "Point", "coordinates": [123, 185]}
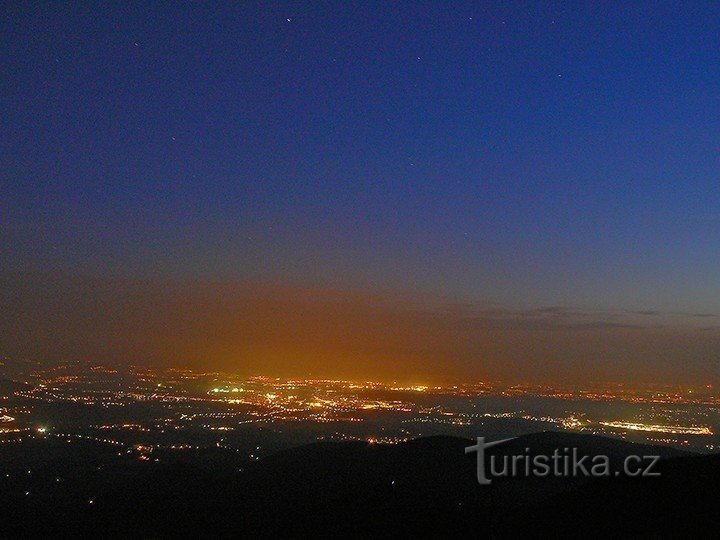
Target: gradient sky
{"type": "Point", "coordinates": [528, 157]}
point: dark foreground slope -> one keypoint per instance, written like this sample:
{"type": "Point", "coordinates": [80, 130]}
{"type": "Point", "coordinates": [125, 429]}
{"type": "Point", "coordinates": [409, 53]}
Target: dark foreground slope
{"type": "Point", "coordinates": [426, 487]}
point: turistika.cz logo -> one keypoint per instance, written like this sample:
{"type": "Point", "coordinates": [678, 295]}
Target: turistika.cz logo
{"type": "Point", "coordinates": [565, 462]}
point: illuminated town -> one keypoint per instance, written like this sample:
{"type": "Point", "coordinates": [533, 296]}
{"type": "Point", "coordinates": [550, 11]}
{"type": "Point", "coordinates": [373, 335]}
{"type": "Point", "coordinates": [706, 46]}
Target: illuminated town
{"type": "Point", "coordinates": [142, 412]}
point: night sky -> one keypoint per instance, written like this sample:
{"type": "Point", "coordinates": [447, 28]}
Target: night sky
{"type": "Point", "coordinates": [408, 189]}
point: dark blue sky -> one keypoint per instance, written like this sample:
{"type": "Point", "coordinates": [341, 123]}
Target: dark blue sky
{"type": "Point", "coordinates": [534, 155]}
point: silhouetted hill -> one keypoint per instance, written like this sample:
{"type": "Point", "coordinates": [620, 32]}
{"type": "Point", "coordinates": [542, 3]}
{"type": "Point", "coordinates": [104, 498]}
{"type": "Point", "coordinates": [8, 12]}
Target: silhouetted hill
{"type": "Point", "coordinates": [425, 487]}
{"type": "Point", "coordinates": [681, 503]}
{"type": "Point", "coordinates": [415, 486]}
